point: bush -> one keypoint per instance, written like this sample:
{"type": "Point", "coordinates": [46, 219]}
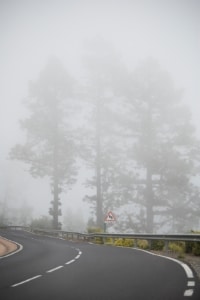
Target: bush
{"type": "Point", "coordinates": [157, 245]}
{"type": "Point", "coordinates": [119, 242]}
{"type": "Point", "coordinates": [196, 245]}
{"type": "Point", "coordinates": [128, 242]}
{"type": "Point", "coordinates": [189, 247]}
{"type": "Point", "coordinates": [177, 247]}
{"type": "Point", "coordinates": [97, 240]}
{"type": "Point", "coordinates": [196, 249]}
{"type": "Point", "coordinates": [43, 222]}
{"type": "Point", "coordinates": [109, 241]}
{"type": "Point", "coordinates": [124, 242]}
{"type": "Point", "coordinates": [143, 244]}
{"type": "Point", "coordinates": [94, 230]}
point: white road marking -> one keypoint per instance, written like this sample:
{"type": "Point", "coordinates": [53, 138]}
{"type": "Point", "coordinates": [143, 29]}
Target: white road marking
{"type": "Point", "coordinates": [70, 262]}
{"type": "Point", "coordinates": [186, 268]}
{"type": "Point", "coordinates": [54, 269]}
{"type": "Point", "coordinates": [49, 271]}
{"type": "Point", "coordinates": [25, 281]}
{"type": "Point", "coordinates": [191, 283]}
{"type": "Point", "coordinates": [188, 293]}
{"type": "Point", "coordinates": [188, 271]}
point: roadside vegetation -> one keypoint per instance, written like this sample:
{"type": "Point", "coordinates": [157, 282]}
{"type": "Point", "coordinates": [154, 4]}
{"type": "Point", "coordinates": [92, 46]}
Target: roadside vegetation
{"type": "Point", "coordinates": [177, 248]}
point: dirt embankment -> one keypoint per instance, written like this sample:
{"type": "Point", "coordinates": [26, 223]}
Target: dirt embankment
{"type": "Point", "coordinates": [6, 247]}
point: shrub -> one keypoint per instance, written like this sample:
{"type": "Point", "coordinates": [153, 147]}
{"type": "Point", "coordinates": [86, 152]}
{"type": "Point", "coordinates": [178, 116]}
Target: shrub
{"type": "Point", "coordinates": [94, 230]}
{"type": "Point", "coordinates": [97, 240]}
{"type": "Point", "coordinates": [143, 244]}
{"type": "Point", "coordinates": [189, 247]}
{"type": "Point", "coordinates": [119, 242]}
{"type": "Point", "coordinates": [109, 241]}
{"type": "Point", "coordinates": [177, 247]}
{"type": "Point", "coordinates": [196, 249]}
{"type": "Point", "coordinates": [157, 245]}
{"type": "Point", "coordinates": [124, 242]}
{"type": "Point", "coordinates": [196, 245]}
{"type": "Point", "coordinates": [128, 242]}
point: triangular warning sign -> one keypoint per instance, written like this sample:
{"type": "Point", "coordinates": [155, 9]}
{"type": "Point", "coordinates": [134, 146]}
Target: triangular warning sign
{"type": "Point", "coordinates": [110, 217]}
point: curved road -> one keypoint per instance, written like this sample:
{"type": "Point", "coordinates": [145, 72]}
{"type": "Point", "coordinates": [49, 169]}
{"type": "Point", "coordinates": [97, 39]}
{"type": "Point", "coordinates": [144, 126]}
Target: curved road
{"type": "Point", "coordinates": [49, 268]}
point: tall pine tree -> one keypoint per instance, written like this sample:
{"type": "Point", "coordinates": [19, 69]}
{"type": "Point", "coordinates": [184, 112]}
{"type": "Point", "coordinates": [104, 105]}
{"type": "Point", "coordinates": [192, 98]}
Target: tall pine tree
{"type": "Point", "coordinates": [161, 146]}
{"type": "Point", "coordinates": [49, 148]}
{"type": "Point", "coordinates": [103, 69]}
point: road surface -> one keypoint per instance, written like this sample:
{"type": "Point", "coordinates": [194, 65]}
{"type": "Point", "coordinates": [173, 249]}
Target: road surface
{"type": "Point", "coordinates": [53, 269]}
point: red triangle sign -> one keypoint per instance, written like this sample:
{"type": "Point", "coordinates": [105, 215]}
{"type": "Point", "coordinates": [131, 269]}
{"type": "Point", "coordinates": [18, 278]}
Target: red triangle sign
{"type": "Point", "coordinates": [110, 217]}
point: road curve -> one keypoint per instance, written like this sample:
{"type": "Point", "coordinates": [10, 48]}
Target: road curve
{"type": "Point", "coordinates": [49, 268]}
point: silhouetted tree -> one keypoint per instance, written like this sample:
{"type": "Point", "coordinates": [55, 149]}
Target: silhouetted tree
{"type": "Point", "coordinates": [49, 148]}
{"type": "Point", "coordinates": [162, 146]}
{"type": "Point", "coordinates": [100, 141]}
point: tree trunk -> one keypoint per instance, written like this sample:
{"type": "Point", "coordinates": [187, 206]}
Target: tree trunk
{"type": "Point", "coordinates": [99, 200]}
{"type": "Point", "coordinates": [55, 211]}
{"type": "Point", "coordinates": [99, 208]}
{"type": "Point", "coordinates": [149, 202]}
{"type": "Point", "coordinates": [55, 205]}
{"type": "Point", "coordinates": [149, 185]}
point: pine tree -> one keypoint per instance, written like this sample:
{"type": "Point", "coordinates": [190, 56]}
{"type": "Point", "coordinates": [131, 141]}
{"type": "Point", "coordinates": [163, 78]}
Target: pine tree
{"type": "Point", "coordinates": [50, 148]}
{"type": "Point", "coordinates": [162, 145]}
{"type": "Point", "coordinates": [103, 69]}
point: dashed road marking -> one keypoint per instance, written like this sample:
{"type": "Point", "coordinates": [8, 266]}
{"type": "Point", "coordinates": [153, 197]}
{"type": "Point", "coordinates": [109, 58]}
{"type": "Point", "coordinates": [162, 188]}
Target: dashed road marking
{"type": "Point", "coordinates": [188, 293]}
{"type": "Point", "coordinates": [191, 283]}
{"type": "Point", "coordinates": [54, 269]}
{"type": "Point", "coordinates": [49, 271]}
{"type": "Point", "coordinates": [25, 281]}
{"type": "Point", "coordinates": [70, 262]}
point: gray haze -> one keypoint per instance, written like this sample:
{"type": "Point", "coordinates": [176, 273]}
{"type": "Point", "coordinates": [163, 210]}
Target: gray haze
{"type": "Point", "coordinates": [32, 31]}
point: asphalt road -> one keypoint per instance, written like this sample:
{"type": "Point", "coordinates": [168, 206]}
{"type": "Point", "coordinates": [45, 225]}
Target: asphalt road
{"type": "Point", "coordinates": [54, 269]}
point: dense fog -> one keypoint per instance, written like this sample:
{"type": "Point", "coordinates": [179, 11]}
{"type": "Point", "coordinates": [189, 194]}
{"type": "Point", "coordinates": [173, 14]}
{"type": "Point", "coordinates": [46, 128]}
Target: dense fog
{"type": "Point", "coordinates": [118, 81]}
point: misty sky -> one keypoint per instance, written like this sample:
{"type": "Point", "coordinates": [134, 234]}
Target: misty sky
{"type": "Point", "coordinates": [32, 31]}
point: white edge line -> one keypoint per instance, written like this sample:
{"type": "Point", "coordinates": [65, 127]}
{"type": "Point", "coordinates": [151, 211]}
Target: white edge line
{"type": "Point", "coordinates": [54, 269]}
{"type": "Point", "coordinates": [186, 268]}
{"type": "Point", "coordinates": [20, 247]}
{"type": "Point", "coordinates": [188, 271]}
{"type": "Point", "coordinates": [27, 280]}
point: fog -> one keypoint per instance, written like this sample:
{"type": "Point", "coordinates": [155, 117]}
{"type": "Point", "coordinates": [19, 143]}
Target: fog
{"type": "Point", "coordinates": [32, 31]}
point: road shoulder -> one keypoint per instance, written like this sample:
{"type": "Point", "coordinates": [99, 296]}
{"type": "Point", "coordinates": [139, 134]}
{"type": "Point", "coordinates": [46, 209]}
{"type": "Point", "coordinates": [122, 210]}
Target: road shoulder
{"type": "Point", "coordinates": [7, 247]}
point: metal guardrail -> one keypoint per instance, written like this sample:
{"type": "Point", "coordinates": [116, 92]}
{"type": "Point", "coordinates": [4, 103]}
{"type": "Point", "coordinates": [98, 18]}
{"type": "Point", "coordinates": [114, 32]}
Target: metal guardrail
{"type": "Point", "coordinates": [192, 237]}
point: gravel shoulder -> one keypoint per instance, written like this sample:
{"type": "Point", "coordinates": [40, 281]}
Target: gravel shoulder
{"type": "Point", "coordinates": [6, 247]}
